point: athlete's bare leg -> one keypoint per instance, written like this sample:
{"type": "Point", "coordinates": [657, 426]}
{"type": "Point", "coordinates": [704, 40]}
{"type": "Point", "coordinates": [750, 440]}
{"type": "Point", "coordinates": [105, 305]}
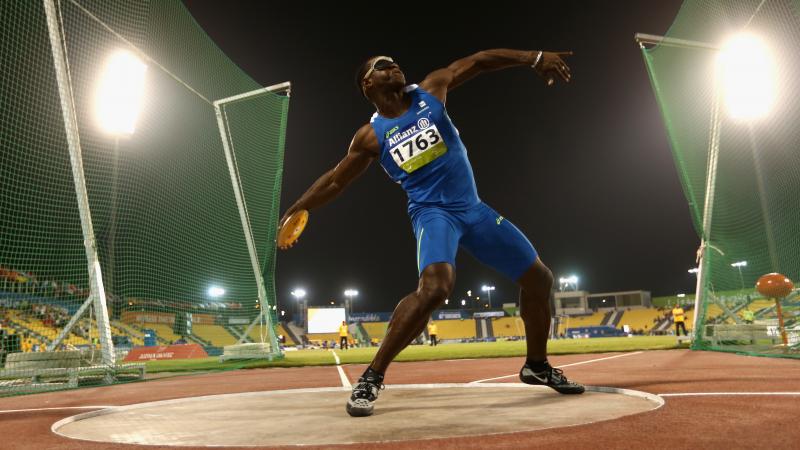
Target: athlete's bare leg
{"type": "Point", "coordinates": [412, 313]}
{"type": "Point", "coordinates": [534, 303]}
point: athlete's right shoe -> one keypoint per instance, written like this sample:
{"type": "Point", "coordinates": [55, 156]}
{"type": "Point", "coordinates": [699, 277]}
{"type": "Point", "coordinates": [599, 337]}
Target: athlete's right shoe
{"type": "Point", "coordinates": [365, 392]}
{"type": "Point", "coordinates": [552, 378]}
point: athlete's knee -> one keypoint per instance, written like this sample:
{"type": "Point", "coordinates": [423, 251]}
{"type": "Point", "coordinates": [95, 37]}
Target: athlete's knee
{"type": "Point", "coordinates": [538, 277]}
{"type": "Point", "coordinates": [436, 284]}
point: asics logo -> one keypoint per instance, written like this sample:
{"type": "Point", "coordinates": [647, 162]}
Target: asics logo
{"type": "Point", "coordinates": [499, 219]}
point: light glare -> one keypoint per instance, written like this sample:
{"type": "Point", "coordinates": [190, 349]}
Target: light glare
{"type": "Point", "coordinates": [119, 95]}
{"type": "Point", "coordinates": [747, 76]}
{"type": "Point", "coordinates": [216, 291]}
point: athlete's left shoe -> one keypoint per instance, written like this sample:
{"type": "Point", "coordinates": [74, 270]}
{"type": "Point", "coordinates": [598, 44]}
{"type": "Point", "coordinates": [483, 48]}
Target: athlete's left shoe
{"type": "Point", "coordinates": [552, 378]}
{"type": "Point", "coordinates": [365, 392]}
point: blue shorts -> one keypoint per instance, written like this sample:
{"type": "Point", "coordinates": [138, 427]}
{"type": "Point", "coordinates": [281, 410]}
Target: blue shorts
{"type": "Point", "coordinates": [480, 230]}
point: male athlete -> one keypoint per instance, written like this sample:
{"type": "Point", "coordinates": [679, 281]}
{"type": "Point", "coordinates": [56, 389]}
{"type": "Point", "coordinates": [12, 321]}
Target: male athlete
{"type": "Point", "coordinates": [414, 140]}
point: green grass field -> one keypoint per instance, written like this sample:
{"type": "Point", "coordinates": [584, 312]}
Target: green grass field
{"type": "Point", "coordinates": [425, 353]}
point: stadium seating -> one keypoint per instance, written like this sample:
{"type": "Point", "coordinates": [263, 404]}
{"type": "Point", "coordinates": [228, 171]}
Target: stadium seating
{"type": "Point", "coordinates": [376, 329]}
{"type": "Point", "coordinates": [255, 334]}
{"type": "Point", "coordinates": [317, 338]}
{"type": "Point", "coordinates": [163, 331]}
{"type": "Point", "coordinates": [456, 329]}
{"type": "Point", "coordinates": [122, 329]}
{"type": "Point", "coordinates": [282, 331]}
{"type": "Point", "coordinates": [758, 305]}
{"type": "Point", "coordinates": [641, 319]}
{"type": "Point", "coordinates": [592, 320]}
{"type": "Point", "coordinates": [508, 326]}
{"type": "Point", "coordinates": [218, 336]}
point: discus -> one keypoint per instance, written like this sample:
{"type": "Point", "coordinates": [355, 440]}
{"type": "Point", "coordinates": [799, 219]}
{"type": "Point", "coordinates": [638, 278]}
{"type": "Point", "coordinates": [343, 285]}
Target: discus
{"type": "Point", "coordinates": [292, 228]}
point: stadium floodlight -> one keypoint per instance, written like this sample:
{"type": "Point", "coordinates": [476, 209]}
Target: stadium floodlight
{"type": "Point", "coordinates": [694, 270]}
{"type": "Point", "coordinates": [119, 95]}
{"type": "Point", "coordinates": [681, 295]}
{"type": "Point", "coordinates": [216, 291]}
{"type": "Point", "coordinates": [747, 74]}
{"type": "Point", "coordinates": [488, 290]}
{"type": "Point", "coordinates": [463, 302]}
{"type": "Point", "coordinates": [350, 293]}
{"type": "Point", "coordinates": [566, 281]}
{"type": "Point", "coordinates": [739, 265]}
{"type": "Point", "coordinates": [299, 294]}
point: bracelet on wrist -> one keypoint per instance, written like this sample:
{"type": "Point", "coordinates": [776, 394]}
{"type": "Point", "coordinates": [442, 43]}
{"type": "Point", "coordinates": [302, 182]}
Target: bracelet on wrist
{"type": "Point", "coordinates": [538, 58]}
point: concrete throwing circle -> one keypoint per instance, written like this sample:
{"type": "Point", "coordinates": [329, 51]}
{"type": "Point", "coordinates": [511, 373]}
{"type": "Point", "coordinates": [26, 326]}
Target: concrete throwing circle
{"type": "Point", "coordinates": [317, 416]}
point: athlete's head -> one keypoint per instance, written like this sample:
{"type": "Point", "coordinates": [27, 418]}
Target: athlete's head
{"type": "Point", "coordinates": [379, 73]}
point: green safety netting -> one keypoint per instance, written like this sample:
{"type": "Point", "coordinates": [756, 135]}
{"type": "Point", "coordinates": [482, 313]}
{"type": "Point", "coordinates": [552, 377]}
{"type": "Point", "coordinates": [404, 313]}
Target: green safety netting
{"type": "Point", "coordinates": [720, 62]}
{"type": "Point", "coordinates": [169, 233]}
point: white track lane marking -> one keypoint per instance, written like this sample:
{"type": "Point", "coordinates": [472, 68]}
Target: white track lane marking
{"type": "Point", "coordinates": [342, 376]}
{"type": "Point", "coordinates": [704, 394]}
{"type": "Point", "coordinates": [565, 365]}
{"type": "Point", "coordinates": [8, 411]}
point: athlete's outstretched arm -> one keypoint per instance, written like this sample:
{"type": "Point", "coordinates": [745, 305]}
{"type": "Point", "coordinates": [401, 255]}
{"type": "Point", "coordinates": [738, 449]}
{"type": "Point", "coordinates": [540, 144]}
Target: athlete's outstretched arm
{"type": "Point", "coordinates": [548, 65]}
{"type": "Point", "coordinates": [363, 150]}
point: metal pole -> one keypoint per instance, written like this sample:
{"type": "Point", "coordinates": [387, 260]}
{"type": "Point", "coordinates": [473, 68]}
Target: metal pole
{"type": "Point", "coordinates": [97, 292]}
{"type": "Point", "coordinates": [708, 207]}
{"type": "Point", "coordinates": [741, 278]}
{"type": "Point", "coordinates": [112, 228]}
{"type": "Point", "coordinates": [248, 234]}
{"type": "Point", "coordinates": [644, 39]}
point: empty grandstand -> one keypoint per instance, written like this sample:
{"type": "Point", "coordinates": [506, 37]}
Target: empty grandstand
{"type": "Point", "coordinates": [508, 327]}
{"type": "Point", "coordinates": [456, 329]}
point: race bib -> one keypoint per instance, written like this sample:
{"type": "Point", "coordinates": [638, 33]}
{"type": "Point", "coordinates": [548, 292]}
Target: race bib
{"type": "Point", "coordinates": [419, 149]}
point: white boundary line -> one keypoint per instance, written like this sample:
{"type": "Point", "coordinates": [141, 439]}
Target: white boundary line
{"type": "Point", "coordinates": [657, 400]}
{"type": "Point", "coordinates": [704, 394]}
{"type": "Point", "coordinates": [9, 411]}
{"type": "Point", "coordinates": [342, 376]}
{"type": "Point", "coordinates": [565, 365]}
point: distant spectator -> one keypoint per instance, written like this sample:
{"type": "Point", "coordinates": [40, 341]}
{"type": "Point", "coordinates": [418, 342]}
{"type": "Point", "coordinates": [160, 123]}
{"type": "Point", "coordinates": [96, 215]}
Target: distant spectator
{"type": "Point", "coordinates": [748, 316]}
{"type": "Point", "coordinates": [433, 332]}
{"type": "Point", "coordinates": [180, 341]}
{"type": "Point", "coordinates": [343, 332]}
{"type": "Point", "coordinates": [679, 317]}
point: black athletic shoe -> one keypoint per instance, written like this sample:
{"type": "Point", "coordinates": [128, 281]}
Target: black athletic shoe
{"type": "Point", "coordinates": [552, 378]}
{"type": "Point", "coordinates": [362, 400]}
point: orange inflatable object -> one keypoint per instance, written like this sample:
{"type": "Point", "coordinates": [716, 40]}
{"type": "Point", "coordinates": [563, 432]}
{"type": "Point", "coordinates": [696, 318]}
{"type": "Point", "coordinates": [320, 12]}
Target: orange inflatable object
{"type": "Point", "coordinates": [774, 285]}
{"type": "Point", "coordinates": [292, 228]}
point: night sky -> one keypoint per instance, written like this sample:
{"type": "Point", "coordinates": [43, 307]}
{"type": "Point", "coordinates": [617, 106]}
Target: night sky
{"type": "Point", "coordinates": [584, 170]}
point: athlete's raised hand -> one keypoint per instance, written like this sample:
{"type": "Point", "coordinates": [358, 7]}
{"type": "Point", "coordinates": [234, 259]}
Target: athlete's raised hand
{"type": "Point", "coordinates": [551, 66]}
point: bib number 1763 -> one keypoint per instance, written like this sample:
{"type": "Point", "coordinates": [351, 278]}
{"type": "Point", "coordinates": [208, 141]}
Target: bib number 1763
{"type": "Point", "coordinates": [419, 149]}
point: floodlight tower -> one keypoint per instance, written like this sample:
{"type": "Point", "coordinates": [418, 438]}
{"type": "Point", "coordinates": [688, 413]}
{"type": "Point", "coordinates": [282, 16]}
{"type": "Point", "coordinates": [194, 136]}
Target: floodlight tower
{"type": "Point", "coordinates": [739, 265]}
{"type": "Point", "coordinates": [299, 294]}
{"type": "Point", "coordinates": [117, 104]}
{"type": "Point", "coordinates": [350, 293]}
{"type": "Point", "coordinates": [488, 290]}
